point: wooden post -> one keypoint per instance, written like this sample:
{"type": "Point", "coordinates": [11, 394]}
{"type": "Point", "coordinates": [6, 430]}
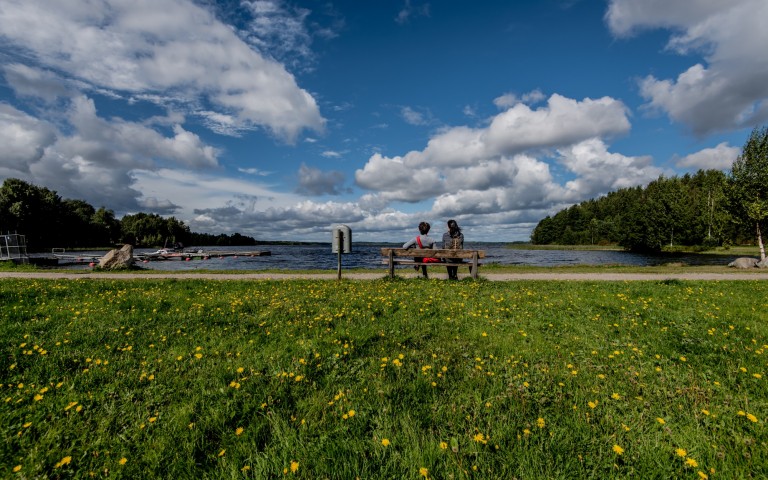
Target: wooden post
{"type": "Point", "coordinates": [474, 265]}
{"type": "Point", "coordinates": [391, 264]}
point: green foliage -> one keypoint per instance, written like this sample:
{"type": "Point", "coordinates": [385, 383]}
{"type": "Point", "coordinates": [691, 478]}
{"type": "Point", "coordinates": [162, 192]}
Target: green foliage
{"type": "Point", "coordinates": [383, 379]}
{"type": "Point", "coordinates": [48, 221]}
{"type": "Point", "coordinates": [749, 181]}
{"type": "Point", "coordinates": [688, 210]}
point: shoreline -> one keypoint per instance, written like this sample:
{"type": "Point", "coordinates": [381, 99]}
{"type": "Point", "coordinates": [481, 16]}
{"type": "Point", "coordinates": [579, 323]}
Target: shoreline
{"type": "Point", "coordinates": [494, 277]}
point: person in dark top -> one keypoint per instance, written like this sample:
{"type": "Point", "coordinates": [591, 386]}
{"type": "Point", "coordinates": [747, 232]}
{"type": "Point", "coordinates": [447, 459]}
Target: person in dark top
{"type": "Point", "coordinates": [421, 241]}
{"type": "Point", "coordinates": [453, 239]}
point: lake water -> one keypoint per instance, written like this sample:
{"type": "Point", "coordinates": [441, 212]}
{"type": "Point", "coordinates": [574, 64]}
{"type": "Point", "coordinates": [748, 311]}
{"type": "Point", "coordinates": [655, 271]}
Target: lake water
{"type": "Point", "coordinates": [320, 257]}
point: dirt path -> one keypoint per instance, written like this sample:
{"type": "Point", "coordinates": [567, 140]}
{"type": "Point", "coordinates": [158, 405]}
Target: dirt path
{"type": "Point", "coordinates": [612, 277]}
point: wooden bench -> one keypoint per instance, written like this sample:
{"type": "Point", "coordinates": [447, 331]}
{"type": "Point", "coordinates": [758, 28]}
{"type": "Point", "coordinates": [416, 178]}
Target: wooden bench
{"type": "Point", "coordinates": [407, 256]}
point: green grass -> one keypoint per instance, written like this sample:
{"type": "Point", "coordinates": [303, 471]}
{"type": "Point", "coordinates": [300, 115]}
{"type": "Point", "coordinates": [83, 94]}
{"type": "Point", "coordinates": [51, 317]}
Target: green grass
{"type": "Point", "coordinates": [472, 379]}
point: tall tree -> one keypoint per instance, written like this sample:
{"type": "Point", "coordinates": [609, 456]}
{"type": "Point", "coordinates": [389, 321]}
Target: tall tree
{"type": "Point", "coordinates": [749, 182]}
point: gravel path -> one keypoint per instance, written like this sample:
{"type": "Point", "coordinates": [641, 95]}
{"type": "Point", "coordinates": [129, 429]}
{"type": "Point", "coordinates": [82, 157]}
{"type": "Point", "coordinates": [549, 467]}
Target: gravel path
{"type": "Point", "coordinates": [612, 277]}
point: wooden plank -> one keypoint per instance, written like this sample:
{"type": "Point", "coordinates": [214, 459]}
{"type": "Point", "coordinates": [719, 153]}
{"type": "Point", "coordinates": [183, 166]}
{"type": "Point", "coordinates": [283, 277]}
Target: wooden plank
{"type": "Point", "coordinates": [429, 252]}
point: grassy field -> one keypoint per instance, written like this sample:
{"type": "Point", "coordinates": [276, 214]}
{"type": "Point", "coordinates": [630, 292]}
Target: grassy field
{"type": "Point", "coordinates": [383, 379]}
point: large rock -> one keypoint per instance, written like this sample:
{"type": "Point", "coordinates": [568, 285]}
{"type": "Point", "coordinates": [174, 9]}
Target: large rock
{"type": "Point", "coordinates": [116, 259]}
{"type": "Point", "coordinates": [744, 262]}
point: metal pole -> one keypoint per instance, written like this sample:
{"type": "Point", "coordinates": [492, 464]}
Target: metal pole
{"type": "Point", "coordinates": [340, 247]}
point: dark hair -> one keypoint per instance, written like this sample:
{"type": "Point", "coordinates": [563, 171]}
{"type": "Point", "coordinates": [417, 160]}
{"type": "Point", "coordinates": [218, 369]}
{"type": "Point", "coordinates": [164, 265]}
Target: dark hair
{"type": "Point", "coordinates": [424, 228]}
{"type": "Point", "coordinates": [453, 228]}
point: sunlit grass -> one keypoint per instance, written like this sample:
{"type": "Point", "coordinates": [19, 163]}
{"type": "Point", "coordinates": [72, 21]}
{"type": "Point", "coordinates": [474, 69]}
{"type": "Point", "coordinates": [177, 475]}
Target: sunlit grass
{"type": "Point", "coordinates": [383, 379]}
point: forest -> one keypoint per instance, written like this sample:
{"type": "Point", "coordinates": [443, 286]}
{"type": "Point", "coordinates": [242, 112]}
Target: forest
{"type": "Point", "coordinates": [707, 209]}
{"type": "Point", "coordinates": [48, 221]}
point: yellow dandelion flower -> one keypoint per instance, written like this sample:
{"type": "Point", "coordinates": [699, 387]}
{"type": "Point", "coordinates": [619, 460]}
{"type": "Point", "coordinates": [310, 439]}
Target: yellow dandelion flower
{"type": "Point", "coordinates": [239, 431]}
{"type": "Point", "coordinates": [751, 418]}
{"type": "Point", "coordinates": [691, 463]}
{"type": "Point", "coordinates": [385, 442]}
{"type": "Point", "coordinates": [245, 468]}
{"type": "Point", "coordinates": [443, 445]}
{"type": "Point", "coordinates": [198, 355]}
{"type": "Point", "coordinates": [240, 370]}
{"type": "Point", "coordinates": [757, 375]}
{"type": "Point", "coordinates": [661, 420]}
{"type": "Point", "coordinates": [423, 472]}
{"type": "Point", "coordinates": [351, 413]}
{"type": "Point", "coordinates": [222, 452]}
{"type": "Point", "coordinates": [740, 413]}
{"type": "Point", "coordinates": [705, 412]}
{"type": "Point", "coordinates": [64, 461]}
{"type": "Point", "coordinates": [17, 468]}
{"type": "Point", "coordinates": [702, 475]}
{"type": "Point", "coordinates": [680, 452]}
{"type": "Point", "coordinates": [526, 432]}
{"type": "Point", "coordinates": [616, 396]}
{"type": "Point", "coordinates": [479, 437]}
{"type": "Point", "coordinates": [294, 466]}
{"type": "Point", "coordinates": [540, 422]}
{"type": "Point", "coordinates": [298, 378]}
{"type": "Point", "coordinates": [152, 419]}
{"type": "Point", "coordinates": [38, 397]}
{"type": "Point", "coordinates": [618, 450]}
{"type": "Point", "coordinates": [592, 404]}
{"type": "Point", "coordinates": [123, 461]}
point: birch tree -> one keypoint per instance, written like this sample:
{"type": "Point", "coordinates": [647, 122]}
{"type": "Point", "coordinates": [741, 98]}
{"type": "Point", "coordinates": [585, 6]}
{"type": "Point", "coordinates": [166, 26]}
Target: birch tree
{"type": "Point", "coordinates": [749, 182]}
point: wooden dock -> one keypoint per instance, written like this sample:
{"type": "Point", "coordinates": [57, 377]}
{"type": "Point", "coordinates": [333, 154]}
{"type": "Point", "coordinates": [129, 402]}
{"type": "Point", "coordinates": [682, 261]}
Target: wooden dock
{"type": "Point", "coordinates": [197, 255]}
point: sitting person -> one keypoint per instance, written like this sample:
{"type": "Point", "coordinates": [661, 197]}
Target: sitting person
{"type": "Point", "coordinates": [421, 241]}
{"type": "Point", "coordinates": [453, 239]}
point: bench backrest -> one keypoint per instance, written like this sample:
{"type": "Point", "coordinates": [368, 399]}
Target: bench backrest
{"type": "Point", "coordinates": [432, 252]}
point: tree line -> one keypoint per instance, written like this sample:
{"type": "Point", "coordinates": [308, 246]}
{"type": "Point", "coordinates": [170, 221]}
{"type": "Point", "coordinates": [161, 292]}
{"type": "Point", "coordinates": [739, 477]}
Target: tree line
{"type": "Point", "coordinates": [48, 221]}
{"type": "Point", "coordinates": [709, 208]}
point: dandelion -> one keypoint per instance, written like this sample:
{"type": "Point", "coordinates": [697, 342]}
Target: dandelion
{"type": "Point", "coordinates": [540, 422]}
{"type": "Point", "coordinates": [757, 376]}
{"type": "Point", "coordinates": [351, 413]}
{"type": "Point", "coordinates": [385, 442]}
{"type": "Point", "coordinates": [198, 356]}
{"type": "Point", "coordinates": [64, 461]}
{"type": "Point", "coordinates": [660, 420]}
{"type": "Point", "coordinates": [705, 412]}
{"type": "Point", "coordinates": [152, 419]}
{"type": "Point", "coordinates": [239, 431]}
{"type": "Point", "coordinates": [702, 475]}
{"type": "Point", "coordinates": [751, 418]}
{"type": "Point", "coordinates": [616, 396]}
{"type": "Point", "coordinates": [245, 468]}
{"type": "Point", "coordinates": [222, 452]}
{"type": "Point", "coordinates": [123, 461]}
{"type": "Point", "coordinates": [298, 378]}
{"type": "Point", "coordinates": [443, 445]}
{"type": "Point", "coordinates": [689, 462]}
{"type": "Point", "coordinates": [423, 472]}
{"type": "Point", "coordinates": [17, 468]}
{"type": "Point", "coordinates": [618, 450]}
{"type": "Point", "coordinates": [294, 466]}
{"type": "Point", "coordinates": [680, 452]}
{"type": "Point", "coordinates": [240, 370]}
{"type": "Point", "coordinates": [479, 438]}
{"type": "Point", "coordinates": [526, 432]}
{"type": "Point", "coordinates": [592, 404]}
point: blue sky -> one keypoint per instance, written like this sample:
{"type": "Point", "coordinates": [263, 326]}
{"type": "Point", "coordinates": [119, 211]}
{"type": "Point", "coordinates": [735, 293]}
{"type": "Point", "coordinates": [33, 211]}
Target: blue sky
{"type": "Point", "coordinates": [279, 119]}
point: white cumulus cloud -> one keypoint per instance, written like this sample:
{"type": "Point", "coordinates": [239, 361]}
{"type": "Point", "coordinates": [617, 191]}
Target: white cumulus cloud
{"type": "Point", "coordinates": [729, 89]}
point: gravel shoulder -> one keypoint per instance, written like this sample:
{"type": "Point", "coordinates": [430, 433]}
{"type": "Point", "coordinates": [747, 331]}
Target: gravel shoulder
{"type": "Point", "coordinates": [497, 277]}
